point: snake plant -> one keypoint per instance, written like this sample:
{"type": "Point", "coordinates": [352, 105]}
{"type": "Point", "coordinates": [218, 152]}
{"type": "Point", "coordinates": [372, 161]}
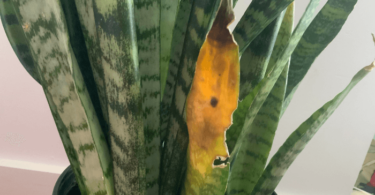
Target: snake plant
{"type": "Point", "coordinates": [160, 97]}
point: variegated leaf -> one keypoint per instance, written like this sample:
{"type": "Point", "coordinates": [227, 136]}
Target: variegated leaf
{"type": "Point", "coordinates": [323, 29]}
{"type": "Point", "coordinates": [16, 37]}
{"type": "Point", "coordinates": [67, 95]}
{"type": "Point", "coordinates": [297, 141]}
{"type": "Point", "coordinates": [110, 37]}
{"type": "Point", "coordinates": [168, 14]}
{"type": "Point", "coordinates": [258, 15]}
{"type": "Point", "coordinates": [260, 94]}
{"type": "Point", "coordinates": [147, 20]}
{"type": "Point", "coordinates": [254, 60]}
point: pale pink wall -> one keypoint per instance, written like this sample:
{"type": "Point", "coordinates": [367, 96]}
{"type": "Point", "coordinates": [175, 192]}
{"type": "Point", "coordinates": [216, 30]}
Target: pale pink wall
{"type": "Point", "coordinates": [27, 129]}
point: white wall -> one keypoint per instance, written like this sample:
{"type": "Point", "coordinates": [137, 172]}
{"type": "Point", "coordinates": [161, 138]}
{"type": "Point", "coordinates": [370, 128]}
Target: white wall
{"type": "Point", "coordinates": [328, 165]}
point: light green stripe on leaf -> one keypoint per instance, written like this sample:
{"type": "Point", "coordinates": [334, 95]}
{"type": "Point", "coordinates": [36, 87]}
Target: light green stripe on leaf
{"type": "Point", "coordinates": [117, 45]}
{"type": "Point", "coordinates": [147, 20]}
{"type": "Point", "coordinates": [16, 37]}
{"type": "Point", "coordinates": [323, 29]}
{"type": "Point", "coordinates": [168, 15]}
{"type": "Point", "coordinates": [297, 141]}
{"type": "Point", "coordinates": [67, 95]}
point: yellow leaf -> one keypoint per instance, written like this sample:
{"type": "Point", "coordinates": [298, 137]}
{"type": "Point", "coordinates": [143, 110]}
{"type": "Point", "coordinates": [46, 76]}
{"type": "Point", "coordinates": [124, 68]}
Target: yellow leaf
{"type": "Point", "coordinates": [212, 99]}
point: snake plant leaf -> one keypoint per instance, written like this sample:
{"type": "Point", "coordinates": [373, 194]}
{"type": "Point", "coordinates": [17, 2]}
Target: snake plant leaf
{"type": "Point", "coordinates": [254, 60]}
{"type": "Point", "coordinates": [323, 29]}
{"type": "Point", "coordinates": [269, 81]}
{"type": "Point", "coordinates": [16, 37]}
{"type": "Point", "coordinates": [256, 18]}
{"type": "Point", "coordinates": [252, 156]}
{"type": "Point", "coordinates": [86, 18]}
{"type": "Point", "coordinates": [212, 99]}
{"type": "Point", "coordinates": [147, 20]}
{"type": "Point", "coordinates": [168, 14]}
{"type": "Point", "coordinates": [179, 33]}
{"type": "Point", "coordinates": [283, 37]}
{"type": "Point", "coordinates": [110, 36]}
{"type": "Point", "coordinates": [178, 40]}
{"type": "Point", "coordinates": [69, 100]}
{"type": "Point", "coordinates": [77, 42]}
{"type": "Point", "coordinates": [174, 152]}
{"type": "Point", "coordinates": [297, 141]}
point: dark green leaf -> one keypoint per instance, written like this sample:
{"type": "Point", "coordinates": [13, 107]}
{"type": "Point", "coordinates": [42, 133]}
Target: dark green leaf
{"type": "Point", "coordinates": [257, 17]}
{"type": "Point", "coordinates": [254, 60]}
{"type": "Point", "coordinates": [252, 156]}
{"type": "Point", "coordinates": [323, 29]}
{"type": "Point", "coordinates": [269, 81]}
{"type": "Point", "coordinates": [297, 141]}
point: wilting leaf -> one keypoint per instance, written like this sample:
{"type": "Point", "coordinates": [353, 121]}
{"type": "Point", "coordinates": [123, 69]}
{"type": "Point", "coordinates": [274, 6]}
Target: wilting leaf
{"type": "Point", "coordinates": [297, 141]}
{"type": "Point", "coordinates": [147, 19]}
{"type": "Point", "coordinates": [168, 15]}
{"type": "Point", "coordinates": [251, 159]}
{"type": "Point", "coordinates": [254, 60]}
{"type": "Point", "coordinates": [174, 152]}
{"type": "Point", "coordinates": [16, 37]}
{"type": "Point", "coordinates": [323, 29]}
{"type": "Point", "coordinates": [210, 104]}
{"type": "Point", "coordinates": [69, 100]}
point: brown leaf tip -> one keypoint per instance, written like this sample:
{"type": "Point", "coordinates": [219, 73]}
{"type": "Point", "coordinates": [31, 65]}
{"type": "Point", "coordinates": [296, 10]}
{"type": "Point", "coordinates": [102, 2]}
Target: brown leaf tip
{"type": "Point", "coordinates": [370, 67]}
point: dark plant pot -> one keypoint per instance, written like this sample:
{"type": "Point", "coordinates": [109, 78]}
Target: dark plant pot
{"type": "Point", "coordinates": [66, 184]}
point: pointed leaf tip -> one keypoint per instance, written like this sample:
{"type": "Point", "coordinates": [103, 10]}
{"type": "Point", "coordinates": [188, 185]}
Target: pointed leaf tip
{"type": "Point", "coordinates": [370, 67]}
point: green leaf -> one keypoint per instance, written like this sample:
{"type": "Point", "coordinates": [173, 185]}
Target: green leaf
{"type": "Point", "coordinates": [69, 100]}
{"type": "Point", "coordinates": [77, 41]}
{"type": "Point", "coordinates": [251, 159]}
{"type": "Point", "coordinates": [168, 15]}
{"type": "Point", "coordinates": [181, 74]}
{"type": "Point", "coordinates": [147, 20]}
{"type": "Point", "coordinates": [253, 153]}
{"type": "Point", "coordinates": [296, 142]}
{"type": "Point", "coordinates": [269, 81]}
{"type": "Point", "coordinates": [323, 29]}
{"type": "Point", "coordinates": [177, 45]}
{"type": "Point", "coordinates": [254, 60]}
{"type": "Point", "coordinates": [16, 37]}
{"type": "Point", "coordinates": [283, 37]}
{"type": "Point", "coordinates": [110, 37]}
{"type": "Point", "coordinates": [87, 23]}
{"type": "Point", "coordinates": [257, 17]}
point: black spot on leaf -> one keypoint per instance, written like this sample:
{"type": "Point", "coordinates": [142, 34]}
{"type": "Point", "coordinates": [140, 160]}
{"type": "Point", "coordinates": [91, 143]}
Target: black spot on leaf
{"type": "Point", "coordinates": [214, 101]}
